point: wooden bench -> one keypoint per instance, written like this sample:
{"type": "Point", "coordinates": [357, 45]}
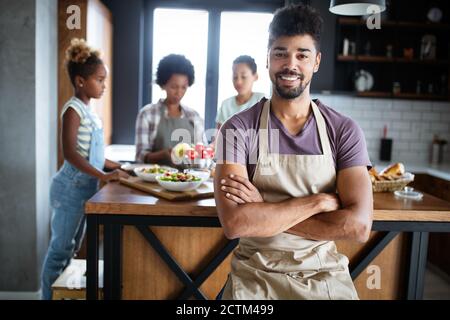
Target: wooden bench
{"type": "Point", "coordinates": [71, 284]}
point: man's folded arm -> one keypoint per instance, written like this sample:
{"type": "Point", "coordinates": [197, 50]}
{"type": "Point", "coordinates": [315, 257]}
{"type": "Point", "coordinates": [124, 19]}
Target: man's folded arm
{"type": "Point", "coordinates": [354, 220]}
{"type": "Point", "coordinates": [262, 219]}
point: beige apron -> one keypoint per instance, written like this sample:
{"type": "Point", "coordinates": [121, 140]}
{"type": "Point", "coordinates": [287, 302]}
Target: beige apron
{"type": "Point", "coordinates": [167, 125]}
{"type": "Point", "coordinates": [287, 266]}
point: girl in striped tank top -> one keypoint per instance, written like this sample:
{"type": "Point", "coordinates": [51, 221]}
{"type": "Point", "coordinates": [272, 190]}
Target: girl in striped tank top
{"type": "Point", "coordinates": [84, 161]}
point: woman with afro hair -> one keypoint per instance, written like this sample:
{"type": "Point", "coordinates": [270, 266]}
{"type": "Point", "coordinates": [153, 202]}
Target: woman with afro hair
{"type": "Point", "coordinates": [160, 126]}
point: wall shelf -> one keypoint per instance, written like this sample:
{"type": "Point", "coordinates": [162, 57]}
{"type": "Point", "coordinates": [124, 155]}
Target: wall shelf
{"type": "Point", "coordinates": [394, 24]}
{"type": "Point", "coordinates": [374, 94]}
{"type": "Point", "coordinates": [424, 96]}
{"type": "Point", "coordinates": [401, 95]}
{"type": "Point", "coordinates": [382, 53]}
{"type": "Point", "coordinates": [366, 58]}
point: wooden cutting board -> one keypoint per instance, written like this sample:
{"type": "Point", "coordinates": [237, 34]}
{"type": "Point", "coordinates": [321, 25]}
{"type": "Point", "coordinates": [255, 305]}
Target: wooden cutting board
{"type": "Point", "coordinates": [206, 190]}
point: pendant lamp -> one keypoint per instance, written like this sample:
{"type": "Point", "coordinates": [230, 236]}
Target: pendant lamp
{"type": "Point", "coordinates": [355, 7]}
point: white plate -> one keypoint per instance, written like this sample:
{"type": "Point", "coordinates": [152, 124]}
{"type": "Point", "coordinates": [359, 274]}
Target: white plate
{"type": "Point", "coordinates": [178, 186]}
{"type": "Point", "coordinates": [150, 177]}
{"type": "Point", "coordinates": [409, 193]}
{"type": "Point", "coordinates": [131, 166]}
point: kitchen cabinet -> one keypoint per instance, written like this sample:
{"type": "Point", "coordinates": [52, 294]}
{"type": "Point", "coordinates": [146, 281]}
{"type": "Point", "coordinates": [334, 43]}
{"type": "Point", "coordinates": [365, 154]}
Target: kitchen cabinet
{"type": "Point", "coordinates": [96, 27]}
{"type": "Point", "coordinates": [439, 243]}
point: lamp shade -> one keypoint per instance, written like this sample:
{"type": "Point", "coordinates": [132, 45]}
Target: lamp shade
{"type": "Point", "coordinates": [355, 7]}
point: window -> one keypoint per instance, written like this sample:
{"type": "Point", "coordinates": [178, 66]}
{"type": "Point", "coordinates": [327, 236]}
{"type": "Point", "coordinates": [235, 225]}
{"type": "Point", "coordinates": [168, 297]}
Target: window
{"type": "Point", "coordinates": [243, 33]}
{"type": "Point", "coordinates": [183, 32]}
{"type": "Point", "coordinates": [211, 35]}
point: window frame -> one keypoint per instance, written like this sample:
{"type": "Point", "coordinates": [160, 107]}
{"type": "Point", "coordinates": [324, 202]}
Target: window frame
{"type": "Point", "coordinates": [214, 9]}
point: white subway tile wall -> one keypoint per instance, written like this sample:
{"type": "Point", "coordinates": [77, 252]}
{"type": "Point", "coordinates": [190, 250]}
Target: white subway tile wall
{"type": "Point", "coordinates": [411, 124]}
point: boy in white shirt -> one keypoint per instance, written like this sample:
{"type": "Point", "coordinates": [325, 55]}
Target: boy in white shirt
{"type": "Point", "coordinates": [244, 75]}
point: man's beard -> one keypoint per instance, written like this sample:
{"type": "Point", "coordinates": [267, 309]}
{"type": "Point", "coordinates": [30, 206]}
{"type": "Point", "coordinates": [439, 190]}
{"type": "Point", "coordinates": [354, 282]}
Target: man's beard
{"type": "Point", "coordinates": [290, 93]}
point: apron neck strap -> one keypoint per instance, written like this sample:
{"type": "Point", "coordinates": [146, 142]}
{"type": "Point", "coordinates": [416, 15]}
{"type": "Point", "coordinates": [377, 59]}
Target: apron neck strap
{"type": "Point", "coordinates": [322, 128]}
{"type": "Point", "coordinates": [163, 110]}
{"type": "Point", "coordinates": [264, 132]}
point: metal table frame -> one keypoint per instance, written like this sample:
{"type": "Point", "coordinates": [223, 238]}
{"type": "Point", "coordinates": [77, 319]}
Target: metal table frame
{"type": "Point", "coordinates": [112, 251]}
{"type": "Point", "coordinates": [113, 223]}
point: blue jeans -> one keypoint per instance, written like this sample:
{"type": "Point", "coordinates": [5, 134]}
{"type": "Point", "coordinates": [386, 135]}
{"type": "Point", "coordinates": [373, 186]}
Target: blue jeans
{"type": "Point", "coordinates": [69, 191]}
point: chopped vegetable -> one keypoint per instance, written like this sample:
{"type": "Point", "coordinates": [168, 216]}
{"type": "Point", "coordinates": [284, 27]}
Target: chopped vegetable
{"type": "Point", "coordinates": [156, 169]}
{"type": "Point", "coordinates": [179, 177]}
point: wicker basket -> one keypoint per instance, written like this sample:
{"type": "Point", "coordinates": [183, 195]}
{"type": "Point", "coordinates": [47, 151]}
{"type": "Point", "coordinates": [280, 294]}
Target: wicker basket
{"type": "Point", "coordinates": [392, 185]}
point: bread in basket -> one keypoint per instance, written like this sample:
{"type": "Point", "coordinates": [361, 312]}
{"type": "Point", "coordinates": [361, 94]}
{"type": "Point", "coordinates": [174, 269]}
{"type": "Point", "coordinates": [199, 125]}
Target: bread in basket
{"type": "Point", "coordinates": [390, 179]}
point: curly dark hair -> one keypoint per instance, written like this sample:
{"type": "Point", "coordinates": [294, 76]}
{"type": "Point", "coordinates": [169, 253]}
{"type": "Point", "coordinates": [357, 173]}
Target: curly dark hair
{"type": "Point", "coordinates": [293, 20]}
{"type": "Point", "coordinates": [174, 64]}
{"type": "Point", "coordinates": [249, 61]}
{"type": "Point", "coordinates": [81, 60]}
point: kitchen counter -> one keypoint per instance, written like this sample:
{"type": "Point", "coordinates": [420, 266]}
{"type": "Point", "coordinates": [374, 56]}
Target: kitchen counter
{"type": "Point", "coordinates": [115, 199]}
{"type": "Point", "coordinates": [441, 171]}
{"type": "Point", "coordinates": [177, 249]}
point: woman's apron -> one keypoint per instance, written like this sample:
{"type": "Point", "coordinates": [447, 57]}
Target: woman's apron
{"type": "Point", "coordinates": [287, 266]}
{"type": "Point", "coordinates": [166, 128]}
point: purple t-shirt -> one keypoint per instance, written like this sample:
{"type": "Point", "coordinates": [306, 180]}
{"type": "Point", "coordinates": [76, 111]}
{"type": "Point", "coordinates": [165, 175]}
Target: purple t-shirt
{"type": "Point", "coordinates": [238, 138]}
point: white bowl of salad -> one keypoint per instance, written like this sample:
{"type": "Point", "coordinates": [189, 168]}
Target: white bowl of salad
{"type": "Point", "coordinates": [178, 181]}
{"type": "Point", "coordinates": [149, 173]}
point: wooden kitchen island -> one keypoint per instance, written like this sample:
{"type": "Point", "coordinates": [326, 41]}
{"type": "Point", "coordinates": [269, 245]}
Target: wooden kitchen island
{"type": "Point", "coordinates": [157, 249]}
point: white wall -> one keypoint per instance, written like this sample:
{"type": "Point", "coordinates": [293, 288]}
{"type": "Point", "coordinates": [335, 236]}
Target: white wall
{"type": "Point", "coordinates": [46, 118]}
{"type": "Point", "coordinates": [28, 58]}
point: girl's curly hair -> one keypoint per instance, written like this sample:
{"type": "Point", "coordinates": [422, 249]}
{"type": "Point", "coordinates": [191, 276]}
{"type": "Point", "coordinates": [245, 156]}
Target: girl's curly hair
{"type": "Point", "coordinates": [81, 60]}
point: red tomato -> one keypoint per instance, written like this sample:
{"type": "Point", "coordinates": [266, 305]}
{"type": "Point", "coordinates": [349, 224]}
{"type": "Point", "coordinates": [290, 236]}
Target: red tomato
{"type": "Point", "coordinates": [199, 147]}
{"type": "Point", "coordinates": [191, 154]}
